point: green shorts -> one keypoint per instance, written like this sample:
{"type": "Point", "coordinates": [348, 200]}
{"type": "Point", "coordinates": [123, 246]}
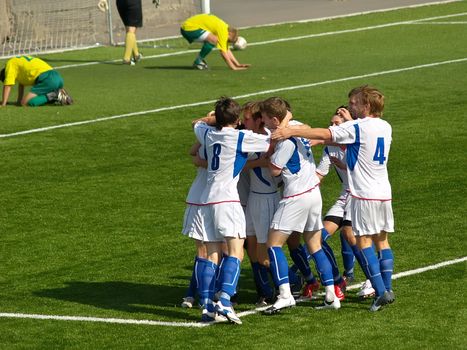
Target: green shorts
{"type": "Point", "coordinates": [192, 35]}
{"type": "Point", "coordinates": [47, 82]}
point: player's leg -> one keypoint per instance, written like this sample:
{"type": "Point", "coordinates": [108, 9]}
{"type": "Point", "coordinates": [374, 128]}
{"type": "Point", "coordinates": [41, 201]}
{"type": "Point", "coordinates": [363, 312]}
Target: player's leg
{"type": "Point", "coordinates": [206, 275]}
{"type": "Point", "coordinates": [348, 257]}
{"type": "Point", "coordinates": [323, 266]}
{"type": "Point", "coordinates": [331, 225]}
{"type": "Point", "coordinates": [386, 258]}
{"type": "Point", "coordinates": [280, 270]}
{"type": "Point", "coordinates": [264, 273]}
{"type": "Point", "coordinates": [201, 253]}
{"type": "Point", "coordinates": [46, 90]}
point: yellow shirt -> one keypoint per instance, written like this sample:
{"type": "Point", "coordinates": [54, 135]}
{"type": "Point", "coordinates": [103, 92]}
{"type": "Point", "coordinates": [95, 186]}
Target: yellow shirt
{"type": "Point", "coordinates": [24, 69]}
{"type": "Point", "coordinates": [213, 25]}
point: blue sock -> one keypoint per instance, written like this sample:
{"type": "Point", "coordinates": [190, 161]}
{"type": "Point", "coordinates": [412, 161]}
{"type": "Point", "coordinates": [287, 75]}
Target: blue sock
{"type": "Point", "coordinates": [229, 274]}
{"type": "Point", "coordinates": [206, 272]}
{"type": "Point", "coordinates": [218, 274]}
{"type": "Point", "coordinates": [193, 287]}
{"type": "Point", "coordinates": [298, 256]}
{"type": "Point", "coordinates": [264, 281]}
{"type": "Point", "coordinates": [324, 268]}
{"type": "Point", "coordinates": [386, 264]}
{"type": "Point", "coordinates": [324, 235]}
{"type": "Point", "coordinates": [332, 259]}
{"type": "Point", "coordinates": [347, 256]}
{"type": "Point", "coordinates": [358, 255]}
{"type": "Point", "coordinates": [256, 277]}
{"type": "Point", "coordinates": [279, 267]}
{"type": "Point", "coordinates": [293, 278]}
{"type": "Point", "coordinates": [374, 271]}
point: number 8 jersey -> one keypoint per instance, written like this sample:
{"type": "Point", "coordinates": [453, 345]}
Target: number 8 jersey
{"type": "Point", "coordinates": [227, 151]}
{"type": "Point", "coordinates": [368, 142]}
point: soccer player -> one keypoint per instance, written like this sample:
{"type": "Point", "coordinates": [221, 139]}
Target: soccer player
{"type": "Point", "coordinates": [227, 149]}
{"type": "Point", "coordinates": [212, 32]}
{"type": "Point", "coordinates": [193, 227]}
{"type": "Point", "coordinates": [46, 82]}
{"type": "Point", "coordinates": [368, 139]}
{"type": "Point", "coordinates": [299, 210]}
{"type": "Point", "coordinates": [262, 202]}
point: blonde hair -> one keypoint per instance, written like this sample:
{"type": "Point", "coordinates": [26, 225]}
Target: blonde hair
{"type": "Point", "coordinates": [371, 96]}
{"type": "Point", "coordinates": [234, 32]}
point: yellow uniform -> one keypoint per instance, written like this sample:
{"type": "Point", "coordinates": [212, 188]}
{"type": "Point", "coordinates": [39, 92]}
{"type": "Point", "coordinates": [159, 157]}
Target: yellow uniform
{"type": "Point", "coordinates": [24, 70]}
{"type": "Point", "coordinates": [211, 24]}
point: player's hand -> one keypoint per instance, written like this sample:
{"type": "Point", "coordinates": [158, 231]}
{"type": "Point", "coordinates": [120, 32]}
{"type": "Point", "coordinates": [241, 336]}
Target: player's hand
{"type": "Point", "coordinates": [103, 5]}
{"type": "Point", "coordinates": [344, 113]}
{"type": "Point", "coordinates": [337, 162]}
{"type": "Point", "coordinates": [281, 133]}
{"type": "Point", "coordinates": [156, 3]}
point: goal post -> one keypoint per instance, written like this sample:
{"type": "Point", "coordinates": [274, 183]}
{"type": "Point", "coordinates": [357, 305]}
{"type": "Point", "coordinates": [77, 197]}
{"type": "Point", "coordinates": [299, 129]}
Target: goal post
{"type": "Point", "coordinates": [43, 26]}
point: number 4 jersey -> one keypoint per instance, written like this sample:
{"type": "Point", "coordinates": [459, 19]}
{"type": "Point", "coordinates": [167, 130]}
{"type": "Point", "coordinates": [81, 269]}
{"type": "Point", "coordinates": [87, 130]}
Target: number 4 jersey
{"type": "Point", "coordinates": [368, 142]}
{"type": "Point", "coordinates": [227, 152]}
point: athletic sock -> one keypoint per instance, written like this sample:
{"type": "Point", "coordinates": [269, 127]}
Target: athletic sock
{"type": "Point", "coordinates": [205, 50]}
{"type": "Point", "coordinates": [374, 271]}
{"type": "Point", "coordinates": [278, 266]}
{"type": "Point", "coordinates": [230, 272]}
{"type": "Point", "coordinates": [256, 277]}
{"type": "Point", "coordinates": [193, 287]}
{"type": "Point", "coordinates": [298, 256]}
{"type": "Point", "coordinates": [130, 41]}
{"type": "Point", "coordinates": [324, 235]}
{"type": "Point", "coordinates": [38, 101]}
{"type": "Point", "coordinates": [323, 266]}
{"type": "Point", "coordinates": [348, 257]}
{"type": "Point", "coordinates": [206, 272]}
{"type": "Point", "coordinates": [386, 264]}
{"type": "Point", "coordinates": [264, 281]}
{"type": "Point", "coordinates": [332, 259]}
{"type": "Point", "coordinates": [358, 255]}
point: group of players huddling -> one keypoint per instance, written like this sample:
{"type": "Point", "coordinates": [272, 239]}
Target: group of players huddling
{"type": "Point", "coordinates": [267, 149]}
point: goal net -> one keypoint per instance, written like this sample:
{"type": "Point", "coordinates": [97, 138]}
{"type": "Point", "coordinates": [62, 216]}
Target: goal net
{"type": "Point", "coordinates": [40, 26]}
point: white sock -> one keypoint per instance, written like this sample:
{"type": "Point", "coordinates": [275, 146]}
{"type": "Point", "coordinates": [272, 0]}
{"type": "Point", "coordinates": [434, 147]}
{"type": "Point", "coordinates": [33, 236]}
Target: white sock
{"type": "Point", "coordinates": [284, 290]}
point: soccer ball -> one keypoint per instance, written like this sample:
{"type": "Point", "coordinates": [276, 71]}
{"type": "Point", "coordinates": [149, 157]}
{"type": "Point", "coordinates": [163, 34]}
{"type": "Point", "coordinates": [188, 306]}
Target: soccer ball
{"type": "Point", "coordinates": [240, 44]}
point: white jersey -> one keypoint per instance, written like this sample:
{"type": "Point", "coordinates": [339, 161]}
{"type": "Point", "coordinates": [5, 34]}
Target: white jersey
{"type": "Point", "coordinates": [295, 158]}
{"type": "Point", "coordinates": [199, 183]}
{"type": "Point", "coordinates": [243, 187]}
{"type": "Point", "coordinates": [261, 179]}
{"type": "Point", "coordinates": [325, 165]}
{"type": "Point", "coordinates": [227, 151]}
{"type": "Point", "coordinates": [368, 142]}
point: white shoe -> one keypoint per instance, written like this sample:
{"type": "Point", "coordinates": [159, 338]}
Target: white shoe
{"type": "Point", "coordinates": [212, 317]}
{"type": "Point", "coordinates": [228, 312]}
{"type": "Point", "coordinates": [187, 302]}
{"type": "Point", "coordinates": [334, 305]}
{"type": "Point", "coordinates": [366, 290]}
{"type": "Point", "coordinates": [281, 303]}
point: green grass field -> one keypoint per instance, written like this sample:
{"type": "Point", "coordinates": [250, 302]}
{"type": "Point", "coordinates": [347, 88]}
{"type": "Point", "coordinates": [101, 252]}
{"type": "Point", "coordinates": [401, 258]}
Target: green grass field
{"type": "Point", "coordinates": [91, 213]}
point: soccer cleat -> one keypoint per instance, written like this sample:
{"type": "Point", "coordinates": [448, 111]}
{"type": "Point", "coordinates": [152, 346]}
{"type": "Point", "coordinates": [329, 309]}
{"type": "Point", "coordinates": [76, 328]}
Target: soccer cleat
{"type": "Point", "coordinates": [64, 98]}
{"type": "Point", "coordinates": [382, 300]}
{"type": "Point", "coordinates": [228, 312]}
{"type": "Point", "coordinates": [187, 302]}
{"type": "Point", "coordinates": [308, 291]}
{"type": "Point", "coordinates": [349, 278]}
{"type": "Point", "coordinates": [212, 317]}
{"type": "Point", "coordinates": [332, 305]}
{"type": "Point", "coordinates": [392, 296]}
{"type": "Point", "coordinates": [296, 288]}
{"type": "Point", "coordinates": [201, 65]}
{"type": "Point", "coordinates": [128, 63]}
{"type": "Point", "coordinates": [137, 58]}
{"type": "Point", "coordinates": [339, 290]}
{"type": "Point", "coordinates": [281, 303]}
{"type": "Point", "coordinates": [366, 290]}
{"type": "Point", "coordinates": [263, 301]}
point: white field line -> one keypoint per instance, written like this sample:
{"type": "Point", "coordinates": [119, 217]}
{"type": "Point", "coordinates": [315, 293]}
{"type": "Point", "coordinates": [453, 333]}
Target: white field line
{"type": "Point", "coordinates": [257, 93]}
{"type": "Point", "coordinates": [197, 324]}
{"type": "Point", "coordinates": [267, 42]}
{"type": "Point", "coordinates": [439, 22]}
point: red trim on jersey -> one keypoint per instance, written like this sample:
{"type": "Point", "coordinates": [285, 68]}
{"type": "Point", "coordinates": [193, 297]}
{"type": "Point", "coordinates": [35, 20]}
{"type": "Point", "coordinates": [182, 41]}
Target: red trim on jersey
{"type": "Point", "coordinates": [299, 194]}
{"type": "Point", "coordinates": [211, 203]}
{"type": "Point", "coordinates": [371, 199]}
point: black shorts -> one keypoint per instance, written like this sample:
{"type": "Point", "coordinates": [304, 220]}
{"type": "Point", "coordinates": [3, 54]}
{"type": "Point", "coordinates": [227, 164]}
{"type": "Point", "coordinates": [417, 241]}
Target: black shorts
{"type": "Point", "coordinates": [131, 12]}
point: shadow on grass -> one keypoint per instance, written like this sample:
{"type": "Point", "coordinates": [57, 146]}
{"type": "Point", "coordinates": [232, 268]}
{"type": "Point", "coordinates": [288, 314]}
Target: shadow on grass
{"type": "Point", "coordinates": [171, 67]}
{"type": "Point", "coordinates": [122, 296]}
